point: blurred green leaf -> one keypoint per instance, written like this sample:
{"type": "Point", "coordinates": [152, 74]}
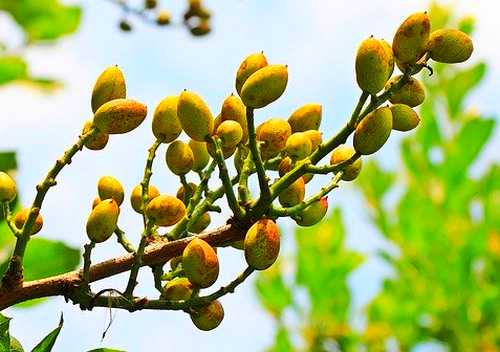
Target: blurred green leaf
{"type": "Point", "coordinates": [46, 258]}
{"type": "Point", "coordinates": [460, 85]}
{"type": "Point", "coordinates": [12, 68]}
{"type": "Point", "coordinates": [282, 341]}
{"type": "Point", "coordinates": [8, 161]}
{"type": "Point", "coordinates": [105, 350]}
{"type": "Point", "coordinates": [43, 19]}
{"type": "Point", "coordinates": [48, 342]}
{"type": "Point", "coordinates": [439, 15]}
{"type": "Point", "coordinates": [4, 333]}
{"type": "Point", "coordinates": [274, 295]}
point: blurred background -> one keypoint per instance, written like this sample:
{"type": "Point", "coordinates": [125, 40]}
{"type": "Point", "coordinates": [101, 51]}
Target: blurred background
{"type": "Point", "coordinates": [408, 258]}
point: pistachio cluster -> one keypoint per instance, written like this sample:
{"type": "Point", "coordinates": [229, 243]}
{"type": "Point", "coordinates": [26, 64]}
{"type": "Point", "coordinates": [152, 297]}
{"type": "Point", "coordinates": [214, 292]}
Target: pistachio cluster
{"type": "Point", "coordinates": [196, 17]}
{"type": "Point", "coordinates": [290, 149]}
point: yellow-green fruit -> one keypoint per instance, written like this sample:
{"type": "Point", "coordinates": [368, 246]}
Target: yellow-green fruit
{"type": "Point", "coordinates": [195, 116]}
{"type": "Point", "coordinates": [410, 40]}
{"type": "Point", "coordinates": [264, 86]}
{"type": "Point", "coordinates": [200, 263]}
{"type": "Point", "coordinates": [226, 152]}
{"type": "Point", "coordinates": [234, 109]}
{"type": "Point", "coordinates": [109, 187]}
{"type": "Point", "coordinates": [102, 220]}
{"type": "Point", "coordinates": [178, 289]}
{"type": "Point", "coordinates": [165, 210]}
{"type": "Point", "coordinates": [307, 117]}
{"type": "Point", "coordinates": [298, 146]}
{"type": "Point", "coordinates": [186, 196]}
{"type": "Point", "coordinates": [390, 57]}
{"type": "Point", "coordinates": [404, 118]}
{"type": "Point", "coordinates": [372, 65]}
{"type": "Point", "coordinates": [110, 85]}
{"type": "Point", "coordinates": [450, 46]}
{"type": "Point", "coordinates": [230, 133]}
{"type": "Point", "coordinates": [136, 197]}
{"type": "Point", "coordinates": [166, 125]}
{"type": "Point", "coordinates": [207, 317]}
{"type": "Point", "coordinates": [316, 137]}
{"type": "Point", "coordinates": [294, 194]}
{"type": "Point", "coordinates": [342, 153]}
{"type": "Point", "coordinates": [313, 214]}
{"type": "Point", "coordinates": [251, 64]}
{"type": "Point", "coordinates": [96, 142]}
{"type": "Point", "coordinates": [201, 224]}
{"type": "Point", "coordinates": [266, 152]}
{"type": "Point", "coordinates": [262, 244]}
{"type": "Point", "coordinates": [373, 131]}
{"type": "Point", "coordinates": [274, 133]}
{"type": "Point", "coordinates": [22, 216]}
{"type": "Point", "coordinates": [7, 188]}
{"type": "Point", "coordinates": [200, 154]}
{"type": "Point", "coordinates": [179, 157]}
{"type": "Point", "coordinates": [119, 116]}
{"type": "Point", "coordinates": [412, 93]}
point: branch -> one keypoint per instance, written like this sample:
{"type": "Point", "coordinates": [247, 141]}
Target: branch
{"type": "Point", "coordinates": [156, 253]}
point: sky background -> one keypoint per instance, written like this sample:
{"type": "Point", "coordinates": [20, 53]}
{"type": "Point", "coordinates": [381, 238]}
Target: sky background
{"type": "Point", "coordinates": [316, 39]}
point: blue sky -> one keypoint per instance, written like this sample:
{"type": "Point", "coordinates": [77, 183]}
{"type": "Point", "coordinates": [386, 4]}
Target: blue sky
{"type": "Point", "coordinates": [316, 39]}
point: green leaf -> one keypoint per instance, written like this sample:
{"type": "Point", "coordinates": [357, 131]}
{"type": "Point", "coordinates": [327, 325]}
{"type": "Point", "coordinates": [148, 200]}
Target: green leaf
{"type": "Point", "coordinates": [46, 258]}
{"type": "Point", "coordinates": [374, 191]}
{"type": "Point", "coordinates": [48, 342]}
{"type": "Point", "coordinates": [43, 19]}
{"type": "Point", "coordinates": [460, 85]}
{"type": "Point", "coordinates": [282, 341]}
{"type": "Point", "coordinates": [465, 148]}
{"type": "Point", "coordinates": [4, 333]}
{"type": "Point", "coordinates": [12, 68]}
{"type": "Point", "coordinates": [8, 161]}
{"type": "Point", "coordinates": [272, 291]}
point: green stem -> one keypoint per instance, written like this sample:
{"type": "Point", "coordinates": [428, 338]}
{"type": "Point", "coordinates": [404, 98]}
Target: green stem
{"type": "Point", "coordinates": [123, 240]}
{"type": "Point", "coordinates": [226, 180]}
{"type": "Point", "coordinates": [132, 280]}
{"type": "Point", "coordinates": [157, 274]}
{"type": "Point", "coordinates": [243, 191]}
{"type": "Point", "coordinates": [86, 264]}
{"type": "Point", "coordinates": [296, 209]}
{"type": "Point", "coordinates": [185, 185]}
{"type": "Point", "coordinates": [8, 219]}
{"type": "Point", "coordinates": [13, 274]}
{"type": "Point", "coordinates": [172, 274]}
{"type": "Point", "coordinates": [202, 187]}
{"type": "Point", "coordinates": [265, 192]}
{"type": "Point", "coordinates": [326, 169]}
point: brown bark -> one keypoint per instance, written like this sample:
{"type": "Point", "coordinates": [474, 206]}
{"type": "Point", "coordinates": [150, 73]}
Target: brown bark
{"type": "Point", "coordinates": [156, 253]}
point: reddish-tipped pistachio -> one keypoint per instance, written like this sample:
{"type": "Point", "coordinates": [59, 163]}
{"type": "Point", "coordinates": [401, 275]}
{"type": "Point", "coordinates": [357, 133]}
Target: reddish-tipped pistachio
{"type": "Point", "coordinates": [166, 125]}
{"type": "Point", "coordinates": [22, 216]}
{"type": "Point", "coordinates": [313, 214]}
{"type": "Point", "coordinates": [109, 187]}
{"type": "Point", "coordinates": [7, 188]}
{"type": "Point", "coordinates": [373, 131]}
{"type": "Point", "coordinates": [342, 153]}
{"type": "Point", "coordinates": [200, 263]}
{"type": "Point", "coordinates": [410, 40]}
{"type": "Point", "coordinates": [102, 220]}
{"type": "Point", "coordinates": [251, 64]}
{"type": "Point", "coordinates": [450, 46]}
{"type": "Point", "coordinates": [136, 197]}
{"type": "Point", "coordinates": [179, 157]}
{"type": "Point", "coordinates": [208, 317]}
{"type": "Point", "coordinates": [119, 116]}
{"type": "Point", "coordinates": [307, 117]}
{"type": "Point", "coordinates": [110, 85]}
{"type": "Point", "coordinates": [274, 133]}
{"type": "Point", "coordinates": [262, 244]}
{"type": "Point", "coordinates": [165, 210]}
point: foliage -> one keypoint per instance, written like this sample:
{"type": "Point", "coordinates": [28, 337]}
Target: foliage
{"type": "Point", "coordinates": [444, 225]}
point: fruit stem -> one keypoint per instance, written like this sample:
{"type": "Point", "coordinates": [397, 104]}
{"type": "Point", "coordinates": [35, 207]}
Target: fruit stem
{"type": "Point", "coordinates": [226, 181]}
{"type": "Point", "coordinates": [14, 274]}
{"type": "Point", "coordinates": [296, 209]}
{"type": "Point", "coordinates": [259, 166]}
{"type": "Point", "coordinates": [8, 219]}
{"type": "Point", "coordinates": [326, 169]}
{"type": "Point", "coordinates": [123, 240]}
{"type": "Point", "coordinates": [86, 265]}
{"type": "Point", "coordinates": [157, 274]}
{"type": "Point", "coordinates": [243, 192]}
